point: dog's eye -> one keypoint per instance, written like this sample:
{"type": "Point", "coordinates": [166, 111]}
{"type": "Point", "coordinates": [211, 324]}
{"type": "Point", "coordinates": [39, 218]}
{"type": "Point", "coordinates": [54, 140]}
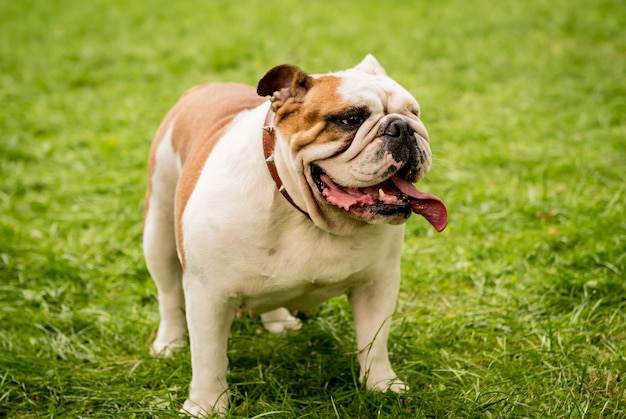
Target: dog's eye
{"type": "Point", "coordinates": [349, 121]}
{"type": "Point", "coordinates": [352, 120]}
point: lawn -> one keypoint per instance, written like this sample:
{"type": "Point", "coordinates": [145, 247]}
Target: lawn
{"type": "Point", "coordinates": [518, 309]}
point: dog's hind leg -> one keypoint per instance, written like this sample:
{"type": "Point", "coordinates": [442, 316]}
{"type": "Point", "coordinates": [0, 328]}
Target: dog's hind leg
{"type": "Point", "coordinates": [280, 321]}
{"type": "Point", "coordinates": [159, 246]}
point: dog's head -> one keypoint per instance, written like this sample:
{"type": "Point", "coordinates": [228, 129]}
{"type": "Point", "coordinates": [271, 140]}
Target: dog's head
{"type": "Point", "coordinates": [353, 144]}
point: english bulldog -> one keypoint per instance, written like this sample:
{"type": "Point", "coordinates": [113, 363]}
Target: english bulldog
{"type": "Point", "coordinates": [274, 200]}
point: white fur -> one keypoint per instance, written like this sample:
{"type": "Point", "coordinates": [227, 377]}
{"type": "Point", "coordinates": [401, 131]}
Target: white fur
{"type": "Point", "coordinates": [242, 254]}
{"type": "Point", "coordinates": [160, 248]}
{"type": "Point", "coordinates": [245, 247]}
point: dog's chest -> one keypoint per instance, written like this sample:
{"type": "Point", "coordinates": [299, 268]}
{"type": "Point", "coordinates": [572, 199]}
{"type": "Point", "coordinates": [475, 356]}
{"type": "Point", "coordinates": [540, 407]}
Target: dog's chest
{"type": "Point", "coordinates": [298, 254]}
{"type": "Point", "coordinates": [295, 266]}
{"type": "Point", "coordinates": [300, 274]}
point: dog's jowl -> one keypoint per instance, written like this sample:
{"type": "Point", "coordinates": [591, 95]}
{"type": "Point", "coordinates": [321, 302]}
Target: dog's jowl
{"type": "Point", "coordinates": [276, 199]}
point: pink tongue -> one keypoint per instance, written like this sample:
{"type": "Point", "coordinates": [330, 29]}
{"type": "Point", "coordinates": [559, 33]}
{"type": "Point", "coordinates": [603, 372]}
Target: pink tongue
{"type": "Point", "coordinates": [427, 205]}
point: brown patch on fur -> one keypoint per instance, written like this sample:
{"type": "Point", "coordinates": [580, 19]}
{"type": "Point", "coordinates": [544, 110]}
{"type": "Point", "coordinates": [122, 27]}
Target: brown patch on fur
{"type": "Point", "coordinates": [200, 118]}
{"type": "Point", "coordinates": [305, 124]}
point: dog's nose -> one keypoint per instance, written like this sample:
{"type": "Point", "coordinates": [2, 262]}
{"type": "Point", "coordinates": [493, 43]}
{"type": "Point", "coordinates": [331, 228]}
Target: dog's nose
{"type": "Point", "coordinates": [401, 143]}
{"type": "Point", "coordinates": [398, 128]}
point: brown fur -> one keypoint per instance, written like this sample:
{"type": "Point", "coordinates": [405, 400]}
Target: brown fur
{"type": "Point", "coordinates": [200, 117]}
{"type": "Point", "coordinates": [322, 98]}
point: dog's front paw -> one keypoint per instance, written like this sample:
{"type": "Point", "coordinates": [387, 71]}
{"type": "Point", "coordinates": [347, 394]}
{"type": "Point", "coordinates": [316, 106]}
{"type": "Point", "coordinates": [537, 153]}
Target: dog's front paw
{"type": "Point", "coordinates": [384, 385]}
{"type": "Point", "coordinates": [397, 386]}
{"type": "Point", "coordinates": [199, 410]}
{"type": "Point", "coordinates": [195, 410]}
{"type": "Point", "coordinates": [280, 321]}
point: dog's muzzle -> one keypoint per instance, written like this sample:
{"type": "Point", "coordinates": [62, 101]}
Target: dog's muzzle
{"type": "Point", "coordinates": [401, 142]}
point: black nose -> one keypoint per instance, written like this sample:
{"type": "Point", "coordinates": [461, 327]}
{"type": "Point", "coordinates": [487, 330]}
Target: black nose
{"type": "Point", "coordinates": [401, 143]}
{"type": "Point", "coordinates": [398, 129]}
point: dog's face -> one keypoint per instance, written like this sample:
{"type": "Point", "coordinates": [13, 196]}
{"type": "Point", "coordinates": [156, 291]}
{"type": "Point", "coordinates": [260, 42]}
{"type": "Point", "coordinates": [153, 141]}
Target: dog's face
{"type": "Point", "coordinates": [356, 146]}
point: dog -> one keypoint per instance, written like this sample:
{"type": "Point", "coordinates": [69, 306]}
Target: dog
{"type": "Point", "coordinates": [276, 200]}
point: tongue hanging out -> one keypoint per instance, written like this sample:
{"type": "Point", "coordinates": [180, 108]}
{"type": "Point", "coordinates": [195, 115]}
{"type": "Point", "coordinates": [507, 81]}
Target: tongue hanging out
{"type": "Point", "coordinates": [429, 206]}
{"type": "Point", "coordinates": [393, 192]}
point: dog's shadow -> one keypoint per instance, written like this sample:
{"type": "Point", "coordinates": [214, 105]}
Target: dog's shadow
{"type": "Point", "coordinates": [318, 357]}
{"type": "Point", "coordinates": [311, 369]}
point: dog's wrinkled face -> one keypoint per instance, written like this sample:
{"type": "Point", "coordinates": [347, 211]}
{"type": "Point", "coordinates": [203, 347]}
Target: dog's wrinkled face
{"type": "Point", "coordinates": [356, 146]}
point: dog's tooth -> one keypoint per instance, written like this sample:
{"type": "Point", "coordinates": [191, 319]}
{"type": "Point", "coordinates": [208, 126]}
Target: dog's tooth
{"type": "Point", "coordinates": [270, 159]}
{"type": "Point", "coordinates": [381, 193]}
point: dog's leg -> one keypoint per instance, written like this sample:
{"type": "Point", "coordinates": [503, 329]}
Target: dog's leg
{"type": "Point", "coordinates": [159, 246]}
{"type": "Point", "coordinates": [280, 321]}
{"type": "Point", "coordinates": [166, 273]}
{"type": "Point", "coordinates": [162, 261]}
{"type": "Point", "coordinates": [372, 307]}
{"type": "Point", "coordinates": [210, 317]}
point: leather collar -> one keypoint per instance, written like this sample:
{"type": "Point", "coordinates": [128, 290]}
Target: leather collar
{"type": "Point", "coordinates": [269, 141]}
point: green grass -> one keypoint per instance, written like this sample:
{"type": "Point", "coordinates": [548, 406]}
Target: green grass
{"type": "Point", "coordinates": [517, 310]}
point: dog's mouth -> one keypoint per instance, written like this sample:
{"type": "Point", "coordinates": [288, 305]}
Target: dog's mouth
{"type": "Point", "coordinates": [395, 197]}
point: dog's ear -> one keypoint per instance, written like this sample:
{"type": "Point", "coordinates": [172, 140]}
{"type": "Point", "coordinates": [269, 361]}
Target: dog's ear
{"type": "Point", "coordinates": [371, 65]}
{"type": "Point", "coordinates": [283, 82]}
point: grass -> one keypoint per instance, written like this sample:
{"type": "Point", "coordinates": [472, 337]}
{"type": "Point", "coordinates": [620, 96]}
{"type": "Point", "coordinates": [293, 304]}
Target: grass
{"type": "Point", "coordinates": [517, 310]}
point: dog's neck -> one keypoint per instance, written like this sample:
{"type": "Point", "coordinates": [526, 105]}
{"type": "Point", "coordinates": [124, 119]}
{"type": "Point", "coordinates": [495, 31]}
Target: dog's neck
{"type": "Point", "coordinates": [269, 142]}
